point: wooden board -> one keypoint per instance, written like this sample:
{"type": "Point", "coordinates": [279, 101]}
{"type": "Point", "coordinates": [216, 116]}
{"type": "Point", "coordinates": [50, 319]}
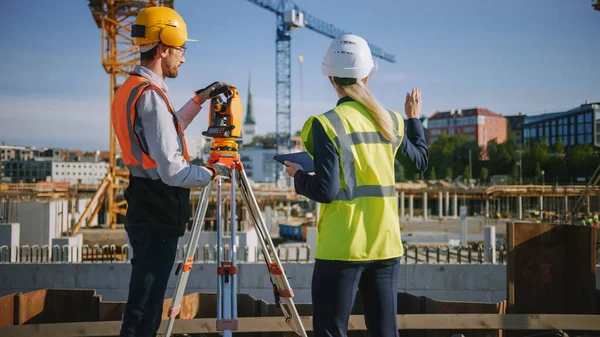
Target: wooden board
{"type": "Point", "coordinates": [464, 322]}
{"type": "Point", "coordinates": [7, 309]}
{"type": "Point", "coordinates": [551, 269]}
{"type": "Point", "coordinates": [58, 305]}
{"type": "Point", "coordinates": [111, 311]}
{"type": "Point", "coordinates": [30, 305]}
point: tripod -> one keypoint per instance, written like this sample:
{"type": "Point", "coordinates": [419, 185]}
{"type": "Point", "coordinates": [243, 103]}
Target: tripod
{"type": "Point", "coordinates": [227, 268]}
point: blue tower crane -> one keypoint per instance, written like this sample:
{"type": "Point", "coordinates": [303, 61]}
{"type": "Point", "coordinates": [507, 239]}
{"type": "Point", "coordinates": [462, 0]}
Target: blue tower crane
{"type": "Point", "coordinates": [289, 17]}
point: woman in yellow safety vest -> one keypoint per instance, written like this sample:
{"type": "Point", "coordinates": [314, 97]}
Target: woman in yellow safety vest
{"type": "Point", "coordinates": [354, 146]}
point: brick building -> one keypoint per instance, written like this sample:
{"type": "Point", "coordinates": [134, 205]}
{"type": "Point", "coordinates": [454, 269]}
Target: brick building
{"type": "Point", "coordinates": [479, 124]}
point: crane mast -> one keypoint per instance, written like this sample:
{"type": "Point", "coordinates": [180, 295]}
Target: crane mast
{"type": "Point", "coordinates": [289, 17]}
{"type": "Point", "coordinates": [119, 55]}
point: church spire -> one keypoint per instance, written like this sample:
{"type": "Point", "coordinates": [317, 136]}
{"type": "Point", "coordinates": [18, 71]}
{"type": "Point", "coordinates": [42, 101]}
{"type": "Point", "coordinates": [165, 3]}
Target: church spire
{"type": "Point", "coordinates": [249, 127]}
{"type": "Point", "coordinates": [249, 115]}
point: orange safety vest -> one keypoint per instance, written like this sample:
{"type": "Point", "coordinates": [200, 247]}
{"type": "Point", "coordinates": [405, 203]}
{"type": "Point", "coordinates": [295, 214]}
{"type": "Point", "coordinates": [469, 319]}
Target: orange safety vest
{"type": "Point", "coordinates": [123, 115]}
{"type": "Point", "coordinates": [151, 202]}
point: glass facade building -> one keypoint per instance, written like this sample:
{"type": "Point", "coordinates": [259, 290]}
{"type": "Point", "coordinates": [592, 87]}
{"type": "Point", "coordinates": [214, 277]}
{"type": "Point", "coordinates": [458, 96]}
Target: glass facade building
{"type": "Point", "coordinates": [574, 127]}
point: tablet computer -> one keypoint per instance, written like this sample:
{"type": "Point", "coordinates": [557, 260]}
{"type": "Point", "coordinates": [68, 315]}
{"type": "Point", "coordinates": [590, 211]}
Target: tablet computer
{"type": "Point", "coordinates": [300, 158]}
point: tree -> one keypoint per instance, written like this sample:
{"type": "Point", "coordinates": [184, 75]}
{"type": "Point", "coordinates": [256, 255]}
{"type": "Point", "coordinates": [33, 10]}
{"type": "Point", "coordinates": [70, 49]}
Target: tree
{"type": "Point", "coordinates": [416, 177]}
{"type": "Point", "coordinates": [501, 156]}
{"type": "Point", "coordinates": [432, 173]}
{"type": "Point", "coordinates": [538, 170]}
{"type": "Point", "coordinates": [256, 141]}
{"type": "Point", "coordinates": [467, 173]}
{"type": "Point", "coordinates": [452, 152]}
{"type": "Point", "coordinates": [559, 148]}
{"type": "Point", "coordinates": [449, 174]}
{"type": "Point", "coordinates": [581, 161]}
{"type": "Point", "coordinates": [515, 174]}
{"type": "Point", "coordinates": [483, 174]}
{"type": "Point", "coordinates": [398, 171]}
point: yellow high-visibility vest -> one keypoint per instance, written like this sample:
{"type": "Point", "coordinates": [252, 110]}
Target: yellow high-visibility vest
{"type": "Point", "coordinates": [362, 223]}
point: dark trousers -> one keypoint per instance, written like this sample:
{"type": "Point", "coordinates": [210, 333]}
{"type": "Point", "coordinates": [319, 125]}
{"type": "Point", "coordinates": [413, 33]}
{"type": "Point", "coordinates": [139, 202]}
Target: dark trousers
{"type": "Point", "coordinates": [334, 287]}
{"type": "Point", "coordinates": [152, 263]}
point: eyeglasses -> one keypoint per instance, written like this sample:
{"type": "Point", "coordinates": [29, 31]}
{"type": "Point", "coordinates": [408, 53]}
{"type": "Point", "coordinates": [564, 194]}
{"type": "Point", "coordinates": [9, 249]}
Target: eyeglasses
{"type": "Point", "coordinates": [181, 49]}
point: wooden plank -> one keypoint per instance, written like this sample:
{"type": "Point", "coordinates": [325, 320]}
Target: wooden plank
{"type": "Point", "coordinates": [277, 324]}
{"type": "Point", "coordinates": [111, 311]}
{"type": "Point", "coordinates": [7, 309]}
{"type": "Point", "coordinates": [551, 269]}
{"type": "Point", "coordinates": [30, 305]}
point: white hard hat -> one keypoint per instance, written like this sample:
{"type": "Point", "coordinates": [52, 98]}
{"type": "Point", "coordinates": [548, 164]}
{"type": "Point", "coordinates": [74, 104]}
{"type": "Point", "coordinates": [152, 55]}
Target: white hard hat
{"type": "Point", "coordinates": [348, 56]}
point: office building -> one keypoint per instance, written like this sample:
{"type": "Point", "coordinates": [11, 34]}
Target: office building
{"type": "Point", "coordinates": [480, 124]}
{"type": "Point", "coordinates": [577, 126]}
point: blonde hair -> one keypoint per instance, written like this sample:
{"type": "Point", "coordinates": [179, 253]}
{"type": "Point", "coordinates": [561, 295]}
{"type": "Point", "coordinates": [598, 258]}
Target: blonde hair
{"type": "Point", "coordinates": [362, 95]}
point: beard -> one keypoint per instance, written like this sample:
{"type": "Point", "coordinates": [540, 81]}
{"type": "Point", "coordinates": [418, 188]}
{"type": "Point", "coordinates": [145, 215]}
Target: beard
{"type": "Point", "coordinates": [172, 68]}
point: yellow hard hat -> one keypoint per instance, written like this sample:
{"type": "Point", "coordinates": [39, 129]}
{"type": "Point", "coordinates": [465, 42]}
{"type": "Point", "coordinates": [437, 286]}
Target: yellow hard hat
{"type": "Point", "coordinates": [159, 24]}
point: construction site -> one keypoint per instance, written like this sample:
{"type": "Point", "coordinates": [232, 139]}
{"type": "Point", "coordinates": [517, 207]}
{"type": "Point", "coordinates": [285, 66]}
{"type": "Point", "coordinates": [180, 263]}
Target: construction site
{"type": "Point", "coordinates": [480, 259]}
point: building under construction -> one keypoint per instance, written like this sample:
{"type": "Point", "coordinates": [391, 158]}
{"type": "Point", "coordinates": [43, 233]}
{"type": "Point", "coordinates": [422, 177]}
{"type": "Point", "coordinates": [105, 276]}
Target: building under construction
{"type": "Point", "coordinates": [65, 258]}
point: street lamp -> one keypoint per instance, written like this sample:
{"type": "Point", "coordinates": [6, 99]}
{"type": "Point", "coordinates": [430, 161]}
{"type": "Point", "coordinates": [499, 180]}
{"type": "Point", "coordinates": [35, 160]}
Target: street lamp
{"type": "Point", "coordinates": [543, 180]}
{"type": "Point", "coordinates": [520, 167]}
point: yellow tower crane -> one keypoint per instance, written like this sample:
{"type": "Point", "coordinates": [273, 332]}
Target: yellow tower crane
{"type": "Point", "coordinates": [119, 55]}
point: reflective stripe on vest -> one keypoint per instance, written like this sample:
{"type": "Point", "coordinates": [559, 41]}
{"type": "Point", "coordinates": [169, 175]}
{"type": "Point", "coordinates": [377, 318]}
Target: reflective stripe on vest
{"type": "Point", "coordinates": [344, 143]}
{"type": "Point", "coordinates": [124, 113]}
{"type": "Point", "coordinates": [361, 223]}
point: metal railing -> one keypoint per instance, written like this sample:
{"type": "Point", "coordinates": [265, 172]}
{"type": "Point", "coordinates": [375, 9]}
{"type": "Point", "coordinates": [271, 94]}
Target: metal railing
{"type": "Point", "coordinates": [451, 255]}
{"type": "Point", "coordinates": [207, 254]}
{"type": "Point", "coordinates": [115, 254]}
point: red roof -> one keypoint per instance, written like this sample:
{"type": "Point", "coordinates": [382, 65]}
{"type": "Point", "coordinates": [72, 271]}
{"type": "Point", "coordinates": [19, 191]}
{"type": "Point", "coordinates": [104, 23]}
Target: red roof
{"type": "Point", "coordinates": [463, 113]}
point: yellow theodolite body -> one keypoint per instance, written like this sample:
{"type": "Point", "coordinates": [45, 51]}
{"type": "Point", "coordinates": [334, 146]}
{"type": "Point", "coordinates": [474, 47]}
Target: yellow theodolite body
{"type": "Point", "coordinates": [225, 120]}
{"type": "Point", "coordinates": [225, 116]}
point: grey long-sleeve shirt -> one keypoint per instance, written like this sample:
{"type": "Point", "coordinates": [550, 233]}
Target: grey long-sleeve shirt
{"type": "Point", "coordinates": [158, 136]}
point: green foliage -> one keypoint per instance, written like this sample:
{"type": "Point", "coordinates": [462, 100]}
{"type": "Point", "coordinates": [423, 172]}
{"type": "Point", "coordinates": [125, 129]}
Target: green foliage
{"type": "Point", "coordinates": [432, 174]}
{"type": "Point", "coordinates": [483, 175]}
{"type": "Point", "coordinates": [538, 170]}
{"type": "Point", "coordinates": [452, 152]}
{"type": "Point", "coordinates": [449, 173]}
{"type": "Point", "coordinates": [581, 161]}
{"type": "Point", "coordinates": [559, 164]}
{"type": "Point", "coordinates": [515, 174]}
{"type": "Point", "coordinates": [399, 172]}
{"type": "Point", "coordinates": [559, 148]}
{"type": "Point", "coordinates": [467, 173]}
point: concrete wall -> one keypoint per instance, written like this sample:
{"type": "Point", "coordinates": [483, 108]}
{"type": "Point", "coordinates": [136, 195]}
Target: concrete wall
{"type": "Point", "coordinates": [80, 206]}
{"type": "Point", "coordinates": [479, 283]}
{"type": "Point", "coordinates": [248, 238]}
{"type": "Point", "coordinates": [9, 241]}
{"type": "Point", "coordinates": [69, 248]}
{"type": "Point", "coordinates": [42, 221]}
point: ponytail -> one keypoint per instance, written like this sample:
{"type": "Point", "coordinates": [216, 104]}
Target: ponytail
{"type": "Point", "coordinates": [359, 92]}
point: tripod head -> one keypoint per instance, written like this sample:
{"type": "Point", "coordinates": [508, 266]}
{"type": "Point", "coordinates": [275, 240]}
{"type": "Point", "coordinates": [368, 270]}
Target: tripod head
{"type": "Point", "coordinates": [225, 127]}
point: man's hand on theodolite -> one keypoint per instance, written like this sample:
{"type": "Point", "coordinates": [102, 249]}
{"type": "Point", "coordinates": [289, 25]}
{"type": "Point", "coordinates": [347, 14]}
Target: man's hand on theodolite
{"type": "Point", "coordinates": [219, 171]}
{"type": "Point", "coordinates": [212, 90]}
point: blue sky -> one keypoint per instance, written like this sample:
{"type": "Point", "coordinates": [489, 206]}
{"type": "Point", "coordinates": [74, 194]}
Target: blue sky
{"type": "Point", "coordinates": [509, 56]}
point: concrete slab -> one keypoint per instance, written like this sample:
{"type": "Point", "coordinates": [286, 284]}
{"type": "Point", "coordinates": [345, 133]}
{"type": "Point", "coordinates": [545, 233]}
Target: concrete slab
{"type": "Point", "coordinates": [37, 276]}
{"type": "Point", "coordinates": [485, 296]}
{"type": "Point", "coordinates": [102, 275]}
{"type": "Point", "coordinates": [455, 277]}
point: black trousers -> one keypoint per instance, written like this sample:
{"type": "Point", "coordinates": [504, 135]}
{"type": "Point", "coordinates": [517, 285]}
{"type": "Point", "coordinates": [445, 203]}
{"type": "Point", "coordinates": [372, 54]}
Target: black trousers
{"type": "Point", "coordinates": [334, 287]}
{"type": "Point", "coordinates": [152, 263]}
